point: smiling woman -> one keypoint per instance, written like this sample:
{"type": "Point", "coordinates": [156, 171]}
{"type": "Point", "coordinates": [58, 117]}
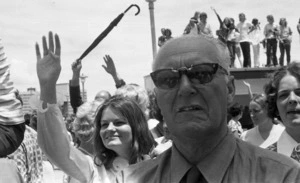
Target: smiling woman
{"type": "Point", "coordinates": [266, 132]}
{"type": "Point", "coordinates": [115, 132]}
{"type": "Point", "coordinates": [121, 131]}
{"type": "Point", "coordinates": [121, 136]}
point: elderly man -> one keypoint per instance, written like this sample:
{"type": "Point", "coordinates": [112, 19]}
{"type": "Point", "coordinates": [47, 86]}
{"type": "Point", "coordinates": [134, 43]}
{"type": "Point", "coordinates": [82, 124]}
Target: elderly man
{"type": "Point", "coordinates": [193, 90]}
{"type": "Point", "coordinates": [102, 95]}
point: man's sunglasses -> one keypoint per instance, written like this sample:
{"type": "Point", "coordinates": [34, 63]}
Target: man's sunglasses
{"type": "Point", "coordinates": [197, 74]}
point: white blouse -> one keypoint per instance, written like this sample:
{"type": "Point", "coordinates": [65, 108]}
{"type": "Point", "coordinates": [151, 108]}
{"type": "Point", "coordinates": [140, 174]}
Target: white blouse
{"type": "Point", "coordinates": [53, 139]}
{"type": "Point", "coordinates": [253, 136]}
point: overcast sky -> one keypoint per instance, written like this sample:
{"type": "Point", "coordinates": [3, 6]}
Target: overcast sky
{"type": "Point", "coordinates": [78, 23]}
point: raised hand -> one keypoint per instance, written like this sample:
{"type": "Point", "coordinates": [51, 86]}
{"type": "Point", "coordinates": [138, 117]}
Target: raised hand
{"type": "Point", "coordinates": [110, 66]}
{"type": "Point", "coordinates": [76, 67]}
{"type": "Point", "coordinates": [249, 89]}
{"type": "Point", "coordinates": [48, 67]}
{"type": "Point", "coordinates": [247, 84]}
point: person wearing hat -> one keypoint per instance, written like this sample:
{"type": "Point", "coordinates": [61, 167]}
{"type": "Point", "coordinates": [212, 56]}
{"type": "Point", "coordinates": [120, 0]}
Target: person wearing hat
{"type": "Point", "coordinates": [12, 126]}
{"type": "Point", "coordinates": [194, 89]}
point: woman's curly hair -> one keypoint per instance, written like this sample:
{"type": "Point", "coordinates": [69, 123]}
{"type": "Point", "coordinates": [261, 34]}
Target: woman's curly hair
{"type": "Point", "coordinates": [271, 88]}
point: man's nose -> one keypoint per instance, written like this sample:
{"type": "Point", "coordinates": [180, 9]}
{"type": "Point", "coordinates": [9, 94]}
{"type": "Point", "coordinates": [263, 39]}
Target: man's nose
{"type": "Point", "coordinates": [185, 86]}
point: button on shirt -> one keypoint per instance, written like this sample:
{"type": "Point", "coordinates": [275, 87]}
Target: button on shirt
{"type": "Point", "coordinates": [231, 161]}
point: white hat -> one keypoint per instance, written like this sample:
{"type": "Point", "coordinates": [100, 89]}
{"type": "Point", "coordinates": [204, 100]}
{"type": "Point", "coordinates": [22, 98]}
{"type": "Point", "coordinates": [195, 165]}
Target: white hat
{"type": "Point", "coordinates": [10, 107]}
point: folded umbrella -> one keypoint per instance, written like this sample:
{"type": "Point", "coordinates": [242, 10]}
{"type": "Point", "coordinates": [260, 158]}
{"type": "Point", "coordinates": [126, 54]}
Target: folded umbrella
{"type": "Point", "coordinates": [106, 31]}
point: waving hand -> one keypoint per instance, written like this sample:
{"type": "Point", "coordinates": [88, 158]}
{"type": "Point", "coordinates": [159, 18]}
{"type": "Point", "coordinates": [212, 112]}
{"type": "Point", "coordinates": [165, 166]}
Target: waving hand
{"type": "Point", "coordinates": [48, 67]}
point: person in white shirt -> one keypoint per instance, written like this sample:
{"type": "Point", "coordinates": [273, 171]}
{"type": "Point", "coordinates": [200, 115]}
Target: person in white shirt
{"type": "Point", "coordinates": [204, 27]}
{"type": "Point", "coordinates": [236, 113]}
{"type": "Point", "coordinates": [121, 132]}
{"type": "Point", "coordinates": [283, 93]}
{"type": "Point", "coordinates": [256, 38]}
{"type": "Point", "coordinates": [232, 41]}
{"type": "Point", "coordinates": [265, 132]}
{"type": "Point", "coordinates": [244, 28]}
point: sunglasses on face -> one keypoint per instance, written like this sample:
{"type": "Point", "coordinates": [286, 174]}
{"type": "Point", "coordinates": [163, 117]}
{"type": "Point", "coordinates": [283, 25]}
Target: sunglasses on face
{"type": "Point", "coordinates": [197, 74]}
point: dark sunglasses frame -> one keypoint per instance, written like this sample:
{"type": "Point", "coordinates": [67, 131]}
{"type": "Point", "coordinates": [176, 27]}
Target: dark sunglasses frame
{"type": "Point", "coordinates": [188, 71]}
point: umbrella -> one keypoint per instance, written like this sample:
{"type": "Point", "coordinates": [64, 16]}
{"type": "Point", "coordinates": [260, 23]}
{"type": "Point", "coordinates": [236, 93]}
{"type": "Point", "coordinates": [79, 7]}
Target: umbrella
{"type": "Point", "coordinates": [106, 31]}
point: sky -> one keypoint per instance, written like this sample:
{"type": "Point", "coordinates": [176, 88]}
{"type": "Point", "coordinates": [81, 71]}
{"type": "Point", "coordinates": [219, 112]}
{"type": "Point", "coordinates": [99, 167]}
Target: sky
{"type": "Point", "coordinates": [78, 23]}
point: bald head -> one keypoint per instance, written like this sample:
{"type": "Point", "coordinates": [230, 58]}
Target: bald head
{"type": "Point", "coordinates": [102, 95]}
{"type": "Point", "coordinates": [202, 48]}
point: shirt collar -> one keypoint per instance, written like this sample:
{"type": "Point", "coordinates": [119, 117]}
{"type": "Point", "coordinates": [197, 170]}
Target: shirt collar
{"type": "Point", "coordinates": [179, 165]}
{"type": "Point", "coordinates": [286, 144]}
{"type": "Point", "coordinates": [213, 164]}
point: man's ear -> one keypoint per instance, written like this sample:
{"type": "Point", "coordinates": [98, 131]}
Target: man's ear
{"type": "Point", "coordinates": [231, 90]}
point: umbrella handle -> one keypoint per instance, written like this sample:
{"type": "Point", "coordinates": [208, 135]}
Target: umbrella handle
{"type": "Point", "coordinates": [135, 5]}
{"type": "Point", "coordinates": [106, 31]}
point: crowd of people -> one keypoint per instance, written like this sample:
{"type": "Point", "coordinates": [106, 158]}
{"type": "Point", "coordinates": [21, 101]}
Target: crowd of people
{"type": "Point", "coordinates": [242, 36]}
{"type": "Point", "coordinates": [176, 133]}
